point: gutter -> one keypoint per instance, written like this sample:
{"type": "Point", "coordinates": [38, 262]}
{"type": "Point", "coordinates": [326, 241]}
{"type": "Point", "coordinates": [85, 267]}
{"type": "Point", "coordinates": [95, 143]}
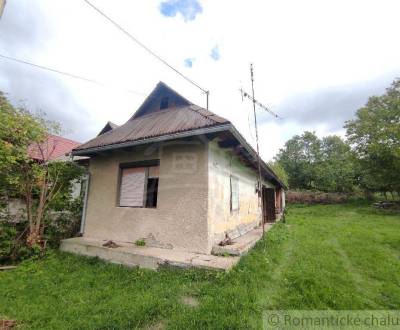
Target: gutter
{"type": "Point", "coordinates": [85, 199]}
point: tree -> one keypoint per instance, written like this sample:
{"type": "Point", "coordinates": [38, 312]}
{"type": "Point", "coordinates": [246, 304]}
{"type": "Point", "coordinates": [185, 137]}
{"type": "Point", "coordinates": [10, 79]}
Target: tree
{"type": "Point", "coordinates": [38, 181]}
{"type": "Point", "coordinates": [335, 171]}
{"type": "Point", "coordinates": [375, 138]}
{"type": "Point", "coordinates": [323, 164]}
{"type": "Point", "coordinates": [279, 171]}
{"type": "Point", "coordinates": [298, 158]}
{"type": "Point", "coordinates": [18, 129]}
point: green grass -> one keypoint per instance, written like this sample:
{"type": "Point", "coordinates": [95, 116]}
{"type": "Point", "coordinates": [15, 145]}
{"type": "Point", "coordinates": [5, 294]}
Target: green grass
{"type": "Point", "coordinates": [325, 257]}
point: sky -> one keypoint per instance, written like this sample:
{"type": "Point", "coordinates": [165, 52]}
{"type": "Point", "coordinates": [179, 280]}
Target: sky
{"type": "Point", "coordinates": [315, 62]}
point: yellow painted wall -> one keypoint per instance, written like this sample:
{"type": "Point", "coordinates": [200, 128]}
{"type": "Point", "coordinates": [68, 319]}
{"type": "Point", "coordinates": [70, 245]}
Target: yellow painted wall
{"type": "Point", "coordinates": [222, 163]}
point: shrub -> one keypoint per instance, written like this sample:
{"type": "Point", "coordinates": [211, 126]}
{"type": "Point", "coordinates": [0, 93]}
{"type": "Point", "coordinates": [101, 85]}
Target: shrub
{"type": "Point", "coordinates": [13, 247]}
{"type": "Point", "coordinates": [140, 242]}
{"type": "Point", "coordinates": [316, 197]}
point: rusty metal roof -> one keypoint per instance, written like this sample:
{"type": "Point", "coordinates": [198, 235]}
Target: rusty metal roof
{"type": "Point", "coordinates": [151, 123]}
{"type": "Point", "coordinates": [159, 123]}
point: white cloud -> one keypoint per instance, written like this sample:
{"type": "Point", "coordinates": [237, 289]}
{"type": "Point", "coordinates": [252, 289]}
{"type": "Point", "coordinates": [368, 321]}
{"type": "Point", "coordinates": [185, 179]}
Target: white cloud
{"type": "Point", "coordinates": [297, 47]}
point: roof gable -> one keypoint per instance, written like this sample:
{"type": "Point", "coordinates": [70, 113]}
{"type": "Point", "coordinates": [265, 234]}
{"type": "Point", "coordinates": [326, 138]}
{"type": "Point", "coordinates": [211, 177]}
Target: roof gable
{"type": "Point", "coordinates": [108, 127]}
{"type": "Point", "coordinates": [160, 93]}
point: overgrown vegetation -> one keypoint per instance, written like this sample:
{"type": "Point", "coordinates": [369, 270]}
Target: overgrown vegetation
{"type": "Point", "coordinates": [326, 257]}
{"type": "Point", "coordinates": [44, 185]}
{"type": "Point", "coordinates": [368, 160]}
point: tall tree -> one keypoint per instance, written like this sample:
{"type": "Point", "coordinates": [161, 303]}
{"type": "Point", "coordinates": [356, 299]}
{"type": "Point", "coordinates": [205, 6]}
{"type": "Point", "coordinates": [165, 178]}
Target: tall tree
{"type": "Point", "coordinates": [375, 137]}
{"type": "Point", "coordinates": [299, 158]}
{"type": "Point", "coordinates": [323, 164]}
{"type": "Point", "coordinates": [335, 171]}
{"type": "Point", "coordinates": [39, 182]}
{"type": "Point", "coordinates": [279, 171]}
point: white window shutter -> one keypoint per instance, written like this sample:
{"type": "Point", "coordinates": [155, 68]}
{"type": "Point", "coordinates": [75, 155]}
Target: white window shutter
{"type": "Point", "coordinates": [234, 193]}
{"type": "Point", "coordinates": [132, 187]}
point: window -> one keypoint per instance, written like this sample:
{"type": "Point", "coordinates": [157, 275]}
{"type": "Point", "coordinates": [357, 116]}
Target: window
{"type": "Point", "coordinates": [234, 193]}
{"type": "Point", "coordinates": [138, 185]}
{"type": "Point", "coordinates": [152, 186]}
{"type": "Point", "coordinates": [164, 103]}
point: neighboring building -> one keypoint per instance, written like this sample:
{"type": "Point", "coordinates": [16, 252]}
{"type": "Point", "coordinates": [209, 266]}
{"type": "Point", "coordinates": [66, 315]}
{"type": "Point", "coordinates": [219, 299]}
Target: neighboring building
{"type": "Point", "coordinates": [52, 148]}
{"type": "Point", "coordinates": [177, 176]}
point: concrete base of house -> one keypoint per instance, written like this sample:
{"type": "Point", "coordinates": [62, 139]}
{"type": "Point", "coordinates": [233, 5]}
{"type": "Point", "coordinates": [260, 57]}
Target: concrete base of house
{"type": "Point", "coordinates": [128, 254]}
{"type": "Point", "coordinates": [242, 244]}
{"type": "Point", "coordinates": [144, 256]}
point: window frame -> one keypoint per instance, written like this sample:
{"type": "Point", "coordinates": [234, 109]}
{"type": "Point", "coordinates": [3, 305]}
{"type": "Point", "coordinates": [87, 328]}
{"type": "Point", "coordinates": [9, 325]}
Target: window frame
{"type": "Point", "coordinates": [146, 164]}
{"type": "Point", "coordinates": [234, 210]}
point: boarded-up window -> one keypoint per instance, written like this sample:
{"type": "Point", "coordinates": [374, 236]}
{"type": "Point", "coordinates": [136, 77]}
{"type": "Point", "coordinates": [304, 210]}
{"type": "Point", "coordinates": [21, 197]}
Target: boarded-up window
{"type": "Point", "coordinates": [139, 186]}
{"type": "Point", "coordinates": [234, 193]}
{"type": "Point", "coordinates": [132, 186]}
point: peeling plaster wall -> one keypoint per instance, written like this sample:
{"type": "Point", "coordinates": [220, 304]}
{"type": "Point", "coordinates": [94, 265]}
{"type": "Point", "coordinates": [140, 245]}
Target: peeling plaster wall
{"type": "Point", "coordinates": [180, 219]}
{"type": "Point", "coordinates": [221, 164]}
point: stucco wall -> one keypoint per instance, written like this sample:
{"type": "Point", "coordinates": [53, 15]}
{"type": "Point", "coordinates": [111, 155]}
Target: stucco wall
{"type": "Point", "coordinates": [180, 219]}
{"type": "Point", "coordinates": [221, 164]}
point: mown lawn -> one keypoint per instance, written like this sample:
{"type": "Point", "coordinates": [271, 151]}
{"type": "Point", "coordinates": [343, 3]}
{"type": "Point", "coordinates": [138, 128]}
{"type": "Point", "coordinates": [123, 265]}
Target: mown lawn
{"type": "Point", "coordinates": [325, 257]}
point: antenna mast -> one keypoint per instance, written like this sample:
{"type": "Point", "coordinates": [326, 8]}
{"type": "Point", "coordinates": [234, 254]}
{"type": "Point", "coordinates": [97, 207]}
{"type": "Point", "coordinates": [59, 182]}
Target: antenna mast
{"type": "Point", "coordinates": [259, 184]}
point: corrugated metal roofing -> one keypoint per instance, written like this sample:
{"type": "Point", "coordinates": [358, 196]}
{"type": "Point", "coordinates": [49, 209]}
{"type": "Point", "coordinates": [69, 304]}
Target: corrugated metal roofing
{"type": "Point", "coordinates": [52, 148]}
{"type": "Point", "coordinates": [159, 123]}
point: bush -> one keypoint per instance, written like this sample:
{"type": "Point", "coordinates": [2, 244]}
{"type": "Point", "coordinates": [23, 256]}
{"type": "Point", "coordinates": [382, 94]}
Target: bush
{"type": "Point", "coordinates": [61, 225]}
{"type": "Point", "coordinates": [316, 197]}
{"type": "Point", "coordinates": [58, 225]}
{"type": "Point", "coordinates": [13, 248]}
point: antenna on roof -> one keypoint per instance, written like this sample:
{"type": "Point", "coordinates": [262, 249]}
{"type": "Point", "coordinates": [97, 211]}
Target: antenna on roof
{"type": "Point", "coordinates": [255, 102]}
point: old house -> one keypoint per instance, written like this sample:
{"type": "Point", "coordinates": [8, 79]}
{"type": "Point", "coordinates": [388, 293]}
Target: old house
{"type": "Point", "coordinates": [175, 176]}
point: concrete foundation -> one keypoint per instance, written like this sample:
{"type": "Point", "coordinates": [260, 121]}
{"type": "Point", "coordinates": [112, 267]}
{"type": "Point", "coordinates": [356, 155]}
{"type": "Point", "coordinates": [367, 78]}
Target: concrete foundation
{"type": "Point", "coordinates": [146, 257]}
{"type": "Point", "coordinates": [242, 244]}
{"type": "Point", "coordinates": [223, 258]}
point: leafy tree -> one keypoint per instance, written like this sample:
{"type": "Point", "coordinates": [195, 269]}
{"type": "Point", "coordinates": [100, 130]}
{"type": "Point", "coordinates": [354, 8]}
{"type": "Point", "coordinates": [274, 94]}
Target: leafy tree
{"type": "Point", "coordinates": [40, 182]}
{"type": "Point", "coordinates": [375, 137]}
{"type": "Point", "coordinates": [18, 130]}
{"type": "Point", "coordinates": [280, 172]}
{"type": "Point", "coordinates": [335, 171]}
{"type": "Point", "coordinates": [323, 164]}
{"type": "Point", "coordinates": [298, 158]}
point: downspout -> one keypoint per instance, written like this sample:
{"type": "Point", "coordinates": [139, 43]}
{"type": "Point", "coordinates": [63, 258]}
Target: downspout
{"type": "Point", "coordinates": [83, 219]}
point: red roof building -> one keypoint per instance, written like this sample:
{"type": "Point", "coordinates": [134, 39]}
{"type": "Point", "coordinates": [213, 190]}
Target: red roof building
{"type": "Point", "coordinates": [53, 148]}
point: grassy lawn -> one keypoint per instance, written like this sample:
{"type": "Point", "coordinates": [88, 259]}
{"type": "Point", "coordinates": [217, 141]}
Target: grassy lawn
{"type": "Point", "coordinates": [326, 257]}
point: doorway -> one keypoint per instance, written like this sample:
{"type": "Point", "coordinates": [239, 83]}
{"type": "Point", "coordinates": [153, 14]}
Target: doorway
{"type": "Point", "coordinates": [268, 204]}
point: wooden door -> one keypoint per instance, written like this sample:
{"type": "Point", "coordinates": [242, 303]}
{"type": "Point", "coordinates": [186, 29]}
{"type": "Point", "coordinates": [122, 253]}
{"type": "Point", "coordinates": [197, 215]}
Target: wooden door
{"type": "Point", "coordinates": [268, 204]}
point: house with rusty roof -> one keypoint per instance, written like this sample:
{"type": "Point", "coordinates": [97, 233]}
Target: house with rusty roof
{"type": "Point", "coordinates": [174, 177]}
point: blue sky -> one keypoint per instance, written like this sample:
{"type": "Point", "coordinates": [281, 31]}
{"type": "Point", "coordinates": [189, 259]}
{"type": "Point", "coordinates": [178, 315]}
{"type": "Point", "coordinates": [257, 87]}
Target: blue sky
{"type": "Point", "coordinates": [215, 53]}
{"type": "Point", "coordinates": [189, 9]}
{"type": "Point", "coordinates": [189, 62]}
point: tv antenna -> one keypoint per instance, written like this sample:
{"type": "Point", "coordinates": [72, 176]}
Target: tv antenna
{"type": "Point", "coordinates": [262, 106]}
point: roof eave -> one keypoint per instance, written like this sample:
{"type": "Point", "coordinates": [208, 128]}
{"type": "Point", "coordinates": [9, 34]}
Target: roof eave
{"type": "Point", "coordinates": [213, 129]}
{"type": "Point", "coordinates": [173, 136]}
{"type": "Point", "coordinates": [253, 153]}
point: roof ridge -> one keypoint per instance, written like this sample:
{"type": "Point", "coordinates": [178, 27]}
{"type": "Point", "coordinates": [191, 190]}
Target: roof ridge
{"type": "Point", "coordinates": [63, 138]}
{"type": "Point", "coordinates": [201, 114]}
{"type": "Point", "coordinates": [212, 114]}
